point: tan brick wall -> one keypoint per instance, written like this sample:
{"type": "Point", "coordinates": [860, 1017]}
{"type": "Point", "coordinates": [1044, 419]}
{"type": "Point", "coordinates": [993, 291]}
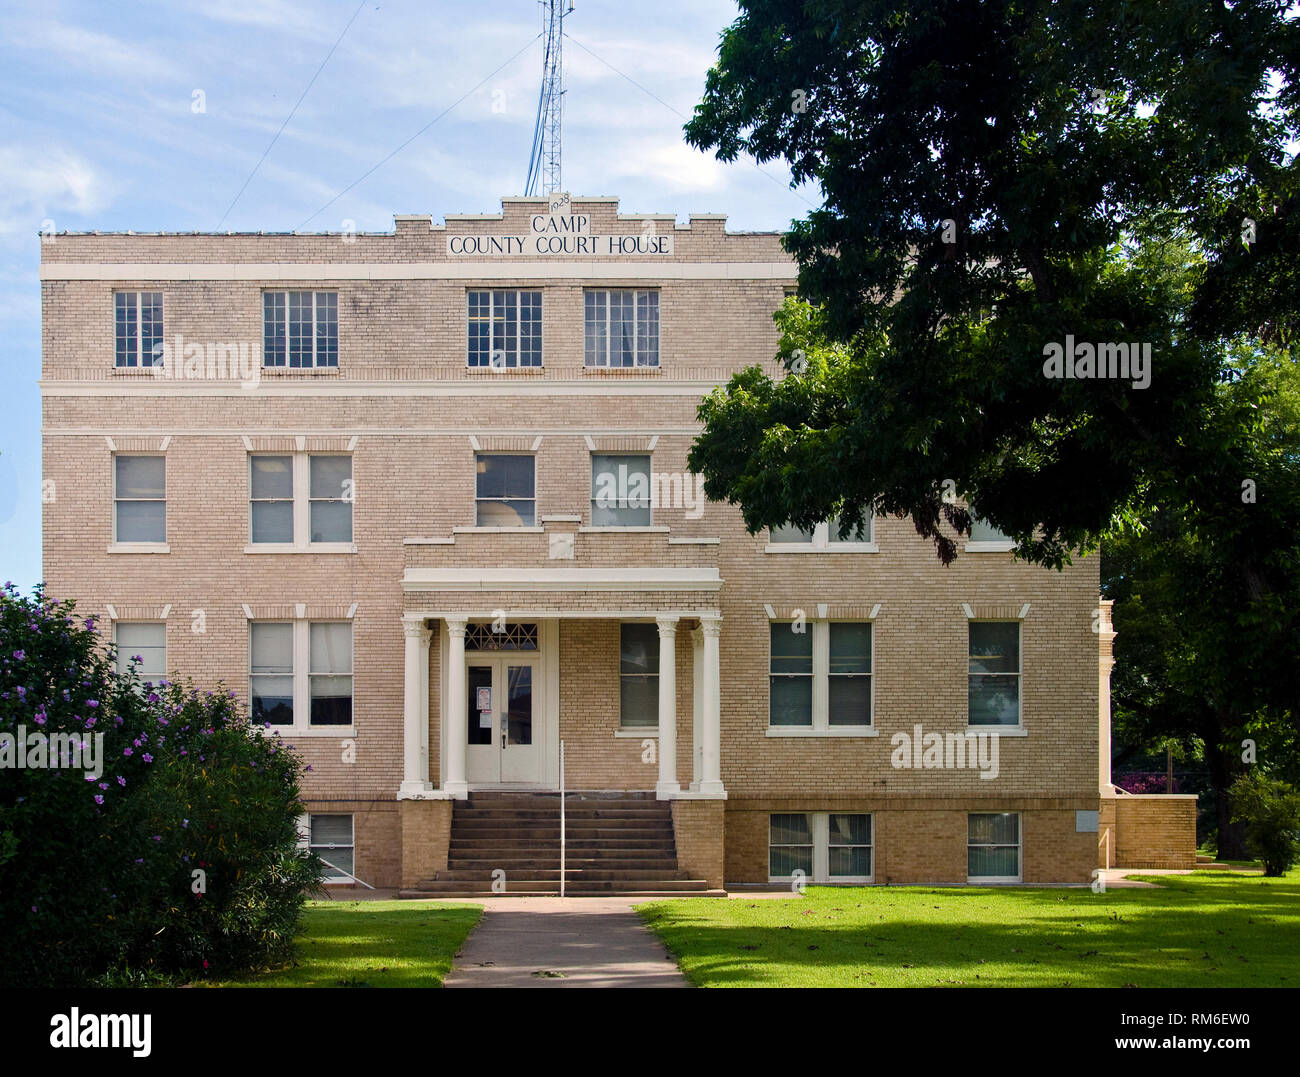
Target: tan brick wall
{"type": "Point", "coordinates": [699, 831]}
{"type": "Point", "coordinates": [403, 391]}
{"type": "Point", "coordinates": [425, 839]}
{"type": "Point", "coordinates": [1154, 831]}
{"type": "Point", "coordinates": [375, 832]}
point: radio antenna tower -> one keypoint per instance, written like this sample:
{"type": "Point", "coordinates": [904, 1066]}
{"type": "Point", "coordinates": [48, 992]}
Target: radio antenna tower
{"type": "Point", "coordinates": [544, 161]}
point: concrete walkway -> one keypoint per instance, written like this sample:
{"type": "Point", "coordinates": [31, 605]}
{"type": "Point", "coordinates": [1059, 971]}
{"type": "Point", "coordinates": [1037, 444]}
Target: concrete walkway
{"type": "Point", "coordinates": [562, 942]}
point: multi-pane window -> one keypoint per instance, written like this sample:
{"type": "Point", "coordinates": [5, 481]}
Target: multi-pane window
{"type": "Point", "coordinates": [331, 674]}
{"type": "Point", "coordinates": [271, 501]}
{"type": "Point", "coordinates": [271, 673]}
{"type": "Point", "coordinates": [323, 516]}
{"type": "Point", "coordinates": [819, 675]}
{"type": "Point", "coordinates": [823, 846]}
{"type": "Point", "coordinates": [505, 329]}
{"type": "Point", "coordinates": [824, 535]}
{"type": "Point", "coordinates": [332, 839]}
{"type": "Point", "coordinates": [790, 845]}
{"type": "Point", "coordinates": [994, 672]}
{"type": "Point", "coordinates": [993, 847]}
{"type": "Point", "coordinates": [300, 329]}
{"type": "Point", "coordinates": [984, 536]}
{"type": "Point", "coordinates": [790, 679]}
{"type": "Point", "coordinates": [300, 673]}
{"type": "Point", "coordinates": [621, 328]}
{"type": "Point", "coordinates": [849, 674]}
{"type": "Point", "coordinates": [139, 499]}
{"type": "Point", "coordinates": [505, 491]}
{"type": "Point", "coordinates": [620, 491]}
{"type": "Point", "coordinates": [638, 669]}
{"type": "Point", "coordinates": [138, 328]}
{"type": "Point", "coordinates": [331, 498]}
{"type": "Point", "coordinates": [145, 641]}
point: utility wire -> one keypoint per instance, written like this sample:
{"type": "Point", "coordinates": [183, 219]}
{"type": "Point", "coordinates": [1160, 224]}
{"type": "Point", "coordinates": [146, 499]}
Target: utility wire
{"type": "Point", "coordinates": [289, 117]}
{"type": "Point", "coordinates": [418, 133]}
{"type": "Point", "coordinates": [679, 115]}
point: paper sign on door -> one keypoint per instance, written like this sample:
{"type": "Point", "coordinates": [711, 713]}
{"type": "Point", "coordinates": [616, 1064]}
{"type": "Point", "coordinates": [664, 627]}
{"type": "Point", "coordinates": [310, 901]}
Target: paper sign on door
{"type": "Point", "coordinates": [485, 708]}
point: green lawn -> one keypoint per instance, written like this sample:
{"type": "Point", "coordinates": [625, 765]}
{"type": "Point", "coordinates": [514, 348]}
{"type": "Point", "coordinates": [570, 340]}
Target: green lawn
{"type": "Point", "coordinates": [372, 944]}
{"type": "Point", "coordinates": [1211, 929]}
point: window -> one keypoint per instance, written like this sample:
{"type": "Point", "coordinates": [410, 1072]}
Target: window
{"type": "Point", "coordinates": [620, 491]}
{"type": "Point", "coordinates": [145, 640]}
{"type": "Point", "coordinates": [279, 516]}
{"type": "Point", "coordinates": [300, 329]}
{"type": "Point", "coordinates": [638, 668]}
{"type": "Point", "coordinates": [331, 498]}
{"type": "Point", "coordinates": [271, 673]}
{"type": "Point", "coordinates": [139, 499]}
{"type": "Point", "coordinates": [300, 673]}
{"type": "Point", "coordinates": [515, 636]}
{"type": "Point", "coordinates": [332, 840]}
{"type": "Point", "coordinates": [790, 845]}
{"type": "Point", "coordinates": [505, 329]}
{"type": "Point", "coordinates": [138, 328]}
{"type": "Point", "coordinates": [849, 674]}
{"type": "Point", "coordinates": [331, 674]}
{"type": "Point", "coordinates": [825, 536]}
{"type": "Point", "coordinates": [993, 847]}
{"type": "Point", "coordinates": [994, 673]}
{"type": "Point", "coordinates": [790, 678]}
{"type": "Point", "coordinates": [622, 328]}
{"type": "Point", "coordinates": [984, 537]}
{"type": "Point", "coordinates": [819, 676]}
{"type": "Point", "coordinates": [824, 846]}
{"type": "Point", "coordinates": [505, 491]}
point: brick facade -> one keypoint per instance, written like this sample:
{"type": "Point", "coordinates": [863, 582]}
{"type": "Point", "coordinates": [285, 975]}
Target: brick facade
{"type": "Point", "coordinates": [403, 404]}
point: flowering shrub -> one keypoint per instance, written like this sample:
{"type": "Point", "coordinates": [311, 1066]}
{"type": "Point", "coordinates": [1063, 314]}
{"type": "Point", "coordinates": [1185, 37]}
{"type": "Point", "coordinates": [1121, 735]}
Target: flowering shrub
{"type": "Point", "coordinates": [171, 847]}
{"type": "Point", "coordinates": [1145, 783]}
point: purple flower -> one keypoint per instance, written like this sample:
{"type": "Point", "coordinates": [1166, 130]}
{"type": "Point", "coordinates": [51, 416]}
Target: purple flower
{"type": "Point", "coordinates": [185, 822]}
{"type": "Point", "coordinates": [102, 785]}
{"type": "Point", "coordinates": [91, 721]}
{"type": "Point", "coordinates": [92, 703]}
{"type": "Point", "coordinates": [22, 692]}
{"type": "Point", "coordinates": [40, 719]}
{"type": "Point", "coordinates": [157, 837]}
{"type": "Point", "coordinates": [148, 758]}
{"type": "Point", "coordinates": [128, 751]}
{"type": "Point", "coordinates": [121, 780]}
{"type": "Point", "coordinates": [99, 798]}
{"type": "Point", "coordinates": [20, 655]}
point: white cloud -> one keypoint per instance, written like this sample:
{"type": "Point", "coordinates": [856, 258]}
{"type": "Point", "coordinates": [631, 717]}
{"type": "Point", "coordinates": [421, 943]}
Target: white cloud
{"type": "Point", "coordinates": [38, 184]}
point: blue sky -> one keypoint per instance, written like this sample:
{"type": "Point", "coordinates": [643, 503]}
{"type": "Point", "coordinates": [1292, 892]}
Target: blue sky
{"type": "Point", "coordinates": [99, 129]}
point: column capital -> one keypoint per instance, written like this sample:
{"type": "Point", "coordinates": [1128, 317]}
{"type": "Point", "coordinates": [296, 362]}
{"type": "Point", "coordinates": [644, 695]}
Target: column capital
{"type": "Point", "coordinates": [667, 627]}
{"type": "Point", "coordinates": [711, 624]}
{"type": "Point", "coordinates": [415, 628]}
{"type": "Point", "coordinates": [457, 626]}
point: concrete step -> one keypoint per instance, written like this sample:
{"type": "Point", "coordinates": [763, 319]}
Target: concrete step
{"type": "Point", "coordinates": [484, 875]}
{"type": "Point", "coordinates": [516, 865]}
{"type": "Point", "coordinates": [523, 887]}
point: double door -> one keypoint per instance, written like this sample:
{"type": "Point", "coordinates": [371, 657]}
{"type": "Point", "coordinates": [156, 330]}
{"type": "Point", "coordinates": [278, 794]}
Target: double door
{"type": "Point", "coordinates": [504, 728]}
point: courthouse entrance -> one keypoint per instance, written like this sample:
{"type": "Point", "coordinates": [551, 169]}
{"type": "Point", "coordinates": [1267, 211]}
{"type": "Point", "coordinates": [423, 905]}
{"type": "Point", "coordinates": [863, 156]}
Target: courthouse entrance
{"type": "Point", "coordinates": [504, 728]}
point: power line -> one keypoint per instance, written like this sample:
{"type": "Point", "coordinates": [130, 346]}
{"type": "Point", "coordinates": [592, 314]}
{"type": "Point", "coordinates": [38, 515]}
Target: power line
{"type": "Point", "coordinates": [680, 115]}
{"type": "Point", "coordinates": [289, 117]}
{"type": "Point", "coordinates": [383, 161]}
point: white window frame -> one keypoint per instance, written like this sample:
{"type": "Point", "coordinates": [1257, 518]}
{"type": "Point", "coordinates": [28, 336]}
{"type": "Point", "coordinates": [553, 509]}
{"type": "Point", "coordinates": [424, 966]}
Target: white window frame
{"type": "Point", "coordinates": [301, 508]}
{"type": "Point", "coordinates": [534, 526]}
{"type": "Point", "coordinates": [652, 728]}
{"type": "Point", "coordinates": [304, 842]}
{"type": "Point", "coordinates": [824, 542]}
{"type": "Point", "coordinates": [144, 677]}
{"type": "Point", "coordinates": [636, 294]}
{"type": "Point", "coordinates": [650, 489]}
{"type": "Point", "coordinates": [140, 354]}
{"type": "Point", "coordinates": [517, 296]}
{"type": "Point", "coordinates": [821, 674]}
{"type": "Point", "coordinates": [1020, 850]}
{"type": "Point", "coordinates": [135, 545]}
{"type": "Point", "coordinates": [302, 675]}
{"type": "Point", "coordinates": [315, 293]}
{"type": "Point", "coordinates": [1019, 728]}
{"type": "Point", "coordinates": [1002, 545]}
{"type": "Point", "coordinates": [821, 828]}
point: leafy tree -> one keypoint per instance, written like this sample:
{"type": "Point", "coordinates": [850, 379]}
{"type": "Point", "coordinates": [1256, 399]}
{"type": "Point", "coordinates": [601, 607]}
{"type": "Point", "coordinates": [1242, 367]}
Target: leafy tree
{"type": "Point", "coordinates": [1271, 811]}
{"type": "Point", "coordinates": [170, 850]}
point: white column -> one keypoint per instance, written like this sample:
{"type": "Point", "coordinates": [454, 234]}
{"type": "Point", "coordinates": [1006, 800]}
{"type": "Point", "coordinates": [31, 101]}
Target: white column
{"type": "Point", "coordinates": [455, 732]}
{"type": "Point", "coordinates": [711, 779]}
{"type": "Point", "coordinates": [668, 783]}
{"type": "Point", "coordinates": [415, 712]}
{"type": "Point", "coordinates": [697, 708]}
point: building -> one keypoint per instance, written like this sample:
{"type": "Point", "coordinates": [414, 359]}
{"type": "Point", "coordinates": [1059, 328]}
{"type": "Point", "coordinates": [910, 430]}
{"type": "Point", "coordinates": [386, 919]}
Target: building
{"type": "Point", "coordinates": [422, 499]}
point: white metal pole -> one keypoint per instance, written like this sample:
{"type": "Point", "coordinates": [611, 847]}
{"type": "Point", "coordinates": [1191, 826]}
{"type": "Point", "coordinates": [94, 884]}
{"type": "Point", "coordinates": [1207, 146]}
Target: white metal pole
{"type": "Point", "coordinates": [562, 850]}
